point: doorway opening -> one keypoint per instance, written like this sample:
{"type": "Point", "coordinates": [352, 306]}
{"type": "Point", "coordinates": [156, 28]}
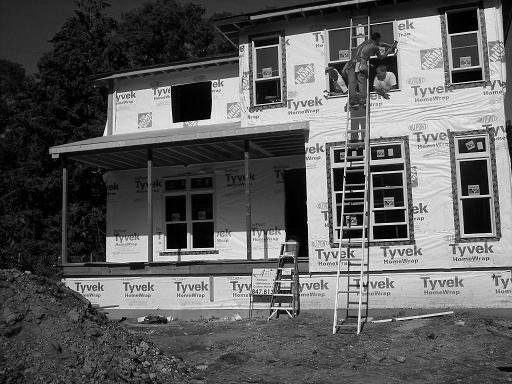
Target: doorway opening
{"type": "Point", "coordinates": [296, 217]}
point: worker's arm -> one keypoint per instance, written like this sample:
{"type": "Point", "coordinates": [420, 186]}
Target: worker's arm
{"type": "Point", "coordinates": [389, 49]}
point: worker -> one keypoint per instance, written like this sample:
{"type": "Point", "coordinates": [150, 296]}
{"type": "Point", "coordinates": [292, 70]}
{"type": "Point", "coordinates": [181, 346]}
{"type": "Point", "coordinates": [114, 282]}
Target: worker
{"type": "Point", "coordinates": [337, 84]}
{"type": "Point", "coordinates": [384, 81]}
{"type": "Point", "coordinates": [357, 68]}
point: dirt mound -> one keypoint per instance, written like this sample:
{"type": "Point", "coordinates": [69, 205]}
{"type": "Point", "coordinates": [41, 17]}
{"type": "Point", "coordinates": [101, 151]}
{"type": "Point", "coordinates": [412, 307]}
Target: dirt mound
{"type": "Point", "coordinates": [51, 334]}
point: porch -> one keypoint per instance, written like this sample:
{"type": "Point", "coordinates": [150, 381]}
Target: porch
{"type": "Point", "coordinates": [185, 147]}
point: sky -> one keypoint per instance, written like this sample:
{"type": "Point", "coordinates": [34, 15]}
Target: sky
{"type": "Point", "coordinates": [26, 26]}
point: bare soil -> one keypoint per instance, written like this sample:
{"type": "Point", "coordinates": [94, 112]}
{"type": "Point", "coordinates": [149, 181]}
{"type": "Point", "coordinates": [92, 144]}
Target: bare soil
{"type": "Point", "coordinates": [453, 349]}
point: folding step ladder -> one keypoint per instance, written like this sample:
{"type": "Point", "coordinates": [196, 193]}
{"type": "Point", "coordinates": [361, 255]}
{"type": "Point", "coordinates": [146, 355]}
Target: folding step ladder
{"type": "Point", "coordinates": [285, 295]}
{"type": "Point", "coordinates": [353, 220]}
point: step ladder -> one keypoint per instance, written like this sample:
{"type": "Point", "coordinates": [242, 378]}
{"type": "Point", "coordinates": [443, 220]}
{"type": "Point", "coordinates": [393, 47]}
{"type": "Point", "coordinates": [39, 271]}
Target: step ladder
{"type": "Point", "coordinates": [353, 228]}
{"type": "Point", "coordinates": [285, 295]}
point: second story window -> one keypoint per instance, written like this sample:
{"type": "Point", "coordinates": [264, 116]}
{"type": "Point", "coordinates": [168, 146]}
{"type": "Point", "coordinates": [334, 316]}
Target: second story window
{"type": "Point", "coordinates": [267, 70]}
{"type": "Point", "coordinates": [191, 102]}
{"type": "Point", "coordinates": [464, 42]}
{"type": "Point", "coordinates": [338, 54]}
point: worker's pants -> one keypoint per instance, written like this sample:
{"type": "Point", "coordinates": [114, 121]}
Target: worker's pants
{"type": "Point", "coordinates": [356, 80]}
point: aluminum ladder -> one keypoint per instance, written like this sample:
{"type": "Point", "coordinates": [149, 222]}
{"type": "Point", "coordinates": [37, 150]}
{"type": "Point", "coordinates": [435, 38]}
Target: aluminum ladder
{"type": "Point", "coordinates": [353, 223]}
{"type": "Point", "coordinates": [285, 294]}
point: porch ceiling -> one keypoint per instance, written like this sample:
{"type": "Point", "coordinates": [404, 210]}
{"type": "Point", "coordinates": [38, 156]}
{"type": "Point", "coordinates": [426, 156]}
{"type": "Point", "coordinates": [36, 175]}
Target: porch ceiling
{"type": "Point", "coordinates": [185, 146]}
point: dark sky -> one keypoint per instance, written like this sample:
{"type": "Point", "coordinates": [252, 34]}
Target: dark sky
{"type": "Point", "coordinates": [27, 25]}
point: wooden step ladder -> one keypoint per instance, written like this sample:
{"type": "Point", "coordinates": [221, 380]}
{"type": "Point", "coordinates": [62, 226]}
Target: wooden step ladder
{"type": "Point", "coordinates": [285, 295]}
{"type": "Point", "coordinates": [353, 224]}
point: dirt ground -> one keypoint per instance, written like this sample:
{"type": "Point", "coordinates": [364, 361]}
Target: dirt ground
{"type": "Point", "coordinates": [460, 348]}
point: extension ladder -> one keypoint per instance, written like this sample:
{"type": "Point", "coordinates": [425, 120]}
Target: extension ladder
{"type": "Point", "coordinates": [353, 221]}
{"type": "Point", "coordinates": [285, 295]}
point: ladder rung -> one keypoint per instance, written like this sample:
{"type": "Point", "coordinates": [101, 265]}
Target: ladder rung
{"type": "Point", "coordinates": [286, 308]}
{"type": "Point", "coordinates": [347, 292]}
{"type": "Point", "coordinates": [358, 118]}
{"type": "Point", "coordinates": [352, 213]}
{"type": "Point", "coordinates": [355, 185]}
{"type": "Point", "coordinates": [353, 227]}
{"type": "Point", "coordinates": [354, 199]}
{"type": "Point", "coordinates": [355, 190]}
{"type": "Point", "coordinates": [361, 170]}
{"type": "Point", "coordinates": [357, 302]}
{"type": "Point", "coordinates": [282, 294]}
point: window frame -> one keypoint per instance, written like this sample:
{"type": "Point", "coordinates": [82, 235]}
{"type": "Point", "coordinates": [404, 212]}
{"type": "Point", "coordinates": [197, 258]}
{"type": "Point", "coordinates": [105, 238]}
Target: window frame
{"type": "Point", "coordinates": [188, 192]}
{"type": "Point", "coordinates": [467, 157]}
{"type": "Point", "coordinates": [253, 71]}
{"type": "Point", "coordinates": [448, 39]}
{"type": "Point", "coordinates": [406, 190]}
{"type": "Point", "coordinates": [328, 62]}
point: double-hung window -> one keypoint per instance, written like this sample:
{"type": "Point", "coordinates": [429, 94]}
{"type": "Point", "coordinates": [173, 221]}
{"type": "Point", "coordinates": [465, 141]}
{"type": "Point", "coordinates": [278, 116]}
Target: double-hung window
{"type": "Point", "coordinates": [189, 213]}
{"type": "Point", "coordinates": [475, 196]}
{"type": "Point", "coordinates": [389, 198]}
{"type": "Point", "coordinates": [338, 52]}
{"type": "Point", "coordinates": [267, 70]}
{"type": "Point", "coordinates": [464, 42]}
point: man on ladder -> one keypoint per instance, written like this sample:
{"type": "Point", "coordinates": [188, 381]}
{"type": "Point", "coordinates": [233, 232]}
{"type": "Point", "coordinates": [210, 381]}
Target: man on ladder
{"type": "Point", "coordinates": [357, 68]}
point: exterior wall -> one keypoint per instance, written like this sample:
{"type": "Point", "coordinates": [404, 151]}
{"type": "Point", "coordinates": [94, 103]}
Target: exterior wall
{"type": "Point", "coordinates": [144, 103]}
{"type": "Point", "coordinates": [464, 289]}
{"type": "Point", "coordinates": [127, 211]}
{"type": "Point", "coordinates": [430, 271]}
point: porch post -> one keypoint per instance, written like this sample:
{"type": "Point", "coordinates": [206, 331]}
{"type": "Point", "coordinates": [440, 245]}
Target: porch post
{"type": "Point", "coordinates": [248, 219]}
{"type": "Point", "coordinates": [150, 206]}
{"type": "Point", "coordinates": [64, 235]}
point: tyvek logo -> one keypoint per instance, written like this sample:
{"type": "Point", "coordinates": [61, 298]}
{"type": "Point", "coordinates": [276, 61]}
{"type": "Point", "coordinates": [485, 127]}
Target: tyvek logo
{"type": "Point", "coordinates": [122, 239]}
{"type": "Point", "coordinates": [314, 288]}
{"type": "Point", "coordinates": [112, 189]}
{"type": "Point", "coordinates": [406, 255]}
{"type": "Point", "coordinates": [314, 152]}
{"type": "Point", "coordinates": [426, 94]}
{"type": "Point", "coordinates": [299, 107]}
{"type": "Point", "coordinates": [125, 97]}
{"type": "Point", "coordinates": [237, 180]}
{"type": "Point", "coordinates": [503, 285]}
{"type": "Point", "coordinates": [405, 27]}
{"type": "Point", "coordinates": [440, 286]}
{"type": "Point", "coordinates": [138, 290]}
{"type": "Point", "coordinates": [239, 289]}
{"type": "Point", "coordinates": [141, 185]}
{"type": "Point", "coordinates": [381, 287]}
{"type": "Point", "coordinates": [430, 139]}
{"type": "Point", "coordinates": [162, 93]}
{"type": "Point", "coordinates": [431, 58]}
{"type": "Point", "coordinates": [471, 253]}
{"type": "Point", "coordinates": [420, 209]}
{"type": "Point", "coordinates": [144, 120]}
{"type": "Point", "coordinates": [233, 110]}
{"type": "Point", "coordinates": [497, 87]}
{"type": "Point", "coordinates": [496, 51]}
{"type": "Point", "coordinates": [89, 290]}
{"type": "Point", "coordinates": [190, 290]}
{"type": "Point", "coordinates": [319, 39]}
{"type": "Point", "coordinates": [328, 258]}
{"type": "Point", "coordinates": [304, 73]}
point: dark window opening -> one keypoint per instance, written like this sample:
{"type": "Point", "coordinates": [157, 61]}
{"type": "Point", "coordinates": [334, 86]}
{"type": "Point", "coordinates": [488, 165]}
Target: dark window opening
{"type": "Point", "coordinates": [268, 91]}
{"type": "Point", "coordinates": [476, 215]}
{"type": "Point", "coordinates": [191, 102]}
{"type": "Point", "coordinates": [462, 21]}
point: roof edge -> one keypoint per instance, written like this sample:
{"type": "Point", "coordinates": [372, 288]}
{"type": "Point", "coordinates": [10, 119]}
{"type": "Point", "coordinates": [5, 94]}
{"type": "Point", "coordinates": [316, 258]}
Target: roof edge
{"type": "Point", "coordinates": [183, 65]}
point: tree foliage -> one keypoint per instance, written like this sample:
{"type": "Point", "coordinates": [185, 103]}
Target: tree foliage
{"type": "Point", "coordinates": [61, 104]}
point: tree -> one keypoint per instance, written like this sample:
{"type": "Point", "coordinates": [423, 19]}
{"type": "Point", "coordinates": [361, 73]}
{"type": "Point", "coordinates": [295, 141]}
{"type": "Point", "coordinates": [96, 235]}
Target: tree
{"type": "Point", "coordinates": [60, 105]}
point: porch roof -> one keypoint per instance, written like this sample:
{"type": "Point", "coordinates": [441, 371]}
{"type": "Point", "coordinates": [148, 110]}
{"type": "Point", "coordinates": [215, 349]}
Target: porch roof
{"type": "Point", "coordinates": [185, 146]}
